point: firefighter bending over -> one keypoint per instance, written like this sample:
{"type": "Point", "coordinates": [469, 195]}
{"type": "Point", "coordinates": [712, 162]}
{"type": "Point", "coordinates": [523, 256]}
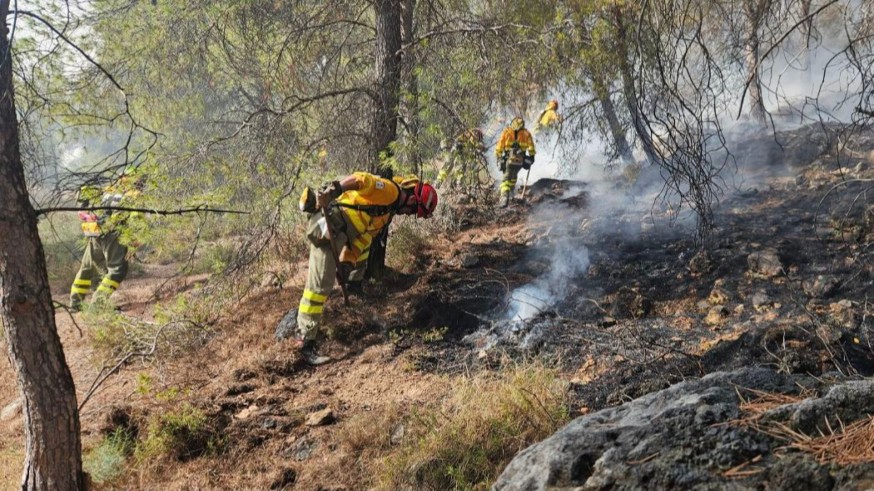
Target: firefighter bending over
{"type": "Point", "coordinates": [357, 208]}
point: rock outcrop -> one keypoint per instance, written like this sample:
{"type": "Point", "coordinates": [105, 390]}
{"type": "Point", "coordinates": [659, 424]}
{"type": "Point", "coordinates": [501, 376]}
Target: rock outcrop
{"type": "Point", "coordinates": [688, 437]}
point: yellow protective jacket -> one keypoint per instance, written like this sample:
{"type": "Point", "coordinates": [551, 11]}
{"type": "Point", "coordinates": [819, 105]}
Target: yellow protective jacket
{"type": "Point", "coordinates": [368, 209]}
{"type": "Point", "coordinates": [548, 118]}
{"type": "Point", "coordinates": [511, 137]}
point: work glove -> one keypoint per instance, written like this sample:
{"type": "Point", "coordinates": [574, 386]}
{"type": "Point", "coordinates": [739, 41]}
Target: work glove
{"type": "Point", "coordinates": [328, 193]}
{"type": "Point", "coordinates": [503, 164]}
{"type": "Point", "coordinates": [527, 162]}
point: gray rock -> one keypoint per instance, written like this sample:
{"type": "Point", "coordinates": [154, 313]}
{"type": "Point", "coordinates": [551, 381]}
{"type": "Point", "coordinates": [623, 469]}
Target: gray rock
{"type": "Point", "coordinates": [677, 439]}
{"type": "Point", "coordinates": [287, 327]}
{"type": "Point", "coordinates": [766, 263]}
{"type": "Point", "coordinates": [11, 410]}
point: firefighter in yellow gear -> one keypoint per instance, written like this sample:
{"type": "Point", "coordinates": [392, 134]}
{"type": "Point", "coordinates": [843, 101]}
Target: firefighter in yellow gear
{"type": "Point", "coordinates": [356, 209]}
{"type": "Point", "coordinates": [461, 164]}
{"type": "Point", "coordinates": [104, 250]}
{"type": "Point", "coordinates": [514, 151]}
{"type": "Point", "coordinates": [549, 118]}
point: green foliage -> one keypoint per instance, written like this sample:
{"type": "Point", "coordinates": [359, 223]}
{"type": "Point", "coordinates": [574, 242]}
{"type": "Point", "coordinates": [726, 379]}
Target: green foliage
{"type": "Point", "coordinates": [106, 462]}
{"type": "Point", "coordinates": [182, 434]}
{"type": "Point", "coordinates": [465, 443]}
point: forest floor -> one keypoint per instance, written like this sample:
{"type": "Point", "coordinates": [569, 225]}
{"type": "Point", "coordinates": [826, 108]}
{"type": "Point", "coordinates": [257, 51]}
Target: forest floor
{"type": "Point", "coordinates": [610, 290]}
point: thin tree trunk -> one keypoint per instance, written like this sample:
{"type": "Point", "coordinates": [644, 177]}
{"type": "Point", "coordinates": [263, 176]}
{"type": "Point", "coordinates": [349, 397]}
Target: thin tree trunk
{"type": "Point", "coordinates": [385, 119]}
{"type": "Point", "coordinates": [388, 76]}
{"type": "Point", "coordinates": [410, 107]}
{"type": "Point", "coordinates": [629, 92]}
{"type": "Point", "coordinates": [754, 11]}
{"type": "Point", "coordinates": [609, 110]}
{"type": "Point", "coordinates": [52, 459]}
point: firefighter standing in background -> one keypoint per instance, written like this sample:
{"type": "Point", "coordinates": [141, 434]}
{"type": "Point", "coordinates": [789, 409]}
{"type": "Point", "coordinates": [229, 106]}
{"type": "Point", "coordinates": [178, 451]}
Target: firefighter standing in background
{"type": "Point", "coordinates": [357, 208]}
{"type": "Point", "coordinates": [103, 228]}
{"type": "Point", "coordinates": [549, 118]}
{"type": "Point", "coordinates": [461, 165]}
{"type": "Point", "coordinates": [515, 151]}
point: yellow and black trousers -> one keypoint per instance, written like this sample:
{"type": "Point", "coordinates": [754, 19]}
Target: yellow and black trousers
{"type": "Point", "coordinates": [322, 270]}
{"type": "Point", "coordinates": [103, 253]}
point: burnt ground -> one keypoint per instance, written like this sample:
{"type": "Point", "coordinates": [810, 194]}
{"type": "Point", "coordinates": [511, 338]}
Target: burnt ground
{"type": "Point", "coordinates": [652, 308]}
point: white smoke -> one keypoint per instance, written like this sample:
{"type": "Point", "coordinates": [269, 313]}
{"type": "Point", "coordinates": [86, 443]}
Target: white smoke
{"type": "Point", "coordinates": [567, 261]}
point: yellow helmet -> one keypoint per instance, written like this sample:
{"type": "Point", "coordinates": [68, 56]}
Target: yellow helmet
{"type": "Point", "coordinates": [517, 123]}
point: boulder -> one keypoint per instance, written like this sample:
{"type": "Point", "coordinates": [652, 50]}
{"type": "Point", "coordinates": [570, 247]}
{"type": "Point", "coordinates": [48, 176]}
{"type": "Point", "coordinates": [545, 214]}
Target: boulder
{"type": "Point", "coordinates": [682, 438]}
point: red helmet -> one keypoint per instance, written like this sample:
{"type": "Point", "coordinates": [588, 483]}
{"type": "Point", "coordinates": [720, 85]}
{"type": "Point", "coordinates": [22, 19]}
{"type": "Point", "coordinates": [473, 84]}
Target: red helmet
{"type": "Point", "coordinates": [426, 196]}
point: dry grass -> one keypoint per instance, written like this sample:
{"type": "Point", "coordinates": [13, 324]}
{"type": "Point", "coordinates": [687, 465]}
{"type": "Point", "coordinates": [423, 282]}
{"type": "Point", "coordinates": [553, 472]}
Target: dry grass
{"type": "Point", "coordinates": [465, 442]}
{"type": "Point", "coordinates": [11, 459]}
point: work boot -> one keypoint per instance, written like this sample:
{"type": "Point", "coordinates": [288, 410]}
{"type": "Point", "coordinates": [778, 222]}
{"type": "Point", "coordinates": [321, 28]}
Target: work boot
{"type": "Point", "coordinates": [505, 200]}
{"type": "Point", "coordinates": [310, 354]}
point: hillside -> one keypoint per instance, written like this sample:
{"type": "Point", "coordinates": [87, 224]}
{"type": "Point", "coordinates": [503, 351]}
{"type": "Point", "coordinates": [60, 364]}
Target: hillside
{"type": "Point", "coordinates": [589, 281]}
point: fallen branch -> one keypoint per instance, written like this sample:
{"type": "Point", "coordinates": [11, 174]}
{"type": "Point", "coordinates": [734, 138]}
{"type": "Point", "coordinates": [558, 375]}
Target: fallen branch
{"type": "Point", "coordinates": [182, 211]}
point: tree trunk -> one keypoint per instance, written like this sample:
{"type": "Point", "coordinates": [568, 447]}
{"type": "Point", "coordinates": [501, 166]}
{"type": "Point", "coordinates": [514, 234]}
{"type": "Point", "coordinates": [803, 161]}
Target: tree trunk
{"type": "Point", "coordinates": [609, 110]}
{"type": "Point", "coordinates": [388, 77]}
{"type": "Point", "coordinates": [754, 11]}
{"type": "Point", "coordinates": [385, 114]}
{"type": "Point", "coordinates": [628, 89]}
{"type": "Point", "coordinates": [410, 107]}
{"type": "Point", "coordinates": [52, 459]}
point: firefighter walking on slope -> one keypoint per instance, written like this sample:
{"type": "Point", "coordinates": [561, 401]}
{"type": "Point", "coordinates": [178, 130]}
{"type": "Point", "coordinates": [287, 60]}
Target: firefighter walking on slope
{"type": "Point", "coordinates": [514, 151]}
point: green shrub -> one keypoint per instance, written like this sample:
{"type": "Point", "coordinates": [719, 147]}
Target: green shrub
{"type": "Point", "coordinates": [181, 435]}
{"type": "Point", "coordinates": [106, 461]}
{"type": "Point", "coordinates": [465, 443]}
